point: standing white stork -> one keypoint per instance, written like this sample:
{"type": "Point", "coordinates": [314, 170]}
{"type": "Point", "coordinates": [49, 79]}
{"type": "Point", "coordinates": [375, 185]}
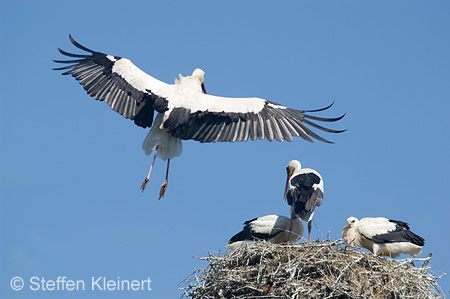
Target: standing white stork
{"type": "Point", "coordinates": [382, 236]}
{"type": "Point", "coordinates": [184, 112]}
{"type": "Point", "coordinates": [304, 192]}
{"type": "Point", "coordinates": [272, 228]}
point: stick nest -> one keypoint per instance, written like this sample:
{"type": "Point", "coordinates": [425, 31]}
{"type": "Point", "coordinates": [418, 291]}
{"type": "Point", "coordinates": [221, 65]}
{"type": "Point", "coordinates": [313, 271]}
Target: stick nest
{"type": "Point", "coordinates": [322, 269]}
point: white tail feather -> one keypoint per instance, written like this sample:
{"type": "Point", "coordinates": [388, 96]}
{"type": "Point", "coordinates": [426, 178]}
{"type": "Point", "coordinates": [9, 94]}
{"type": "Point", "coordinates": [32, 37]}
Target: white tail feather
{"type": "Point", "coordinates": [169, 147]}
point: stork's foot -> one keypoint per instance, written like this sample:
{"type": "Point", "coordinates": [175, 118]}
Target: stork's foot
{"type": "Point", "coordinates": [144, 184]}
{"type": "Point", "coordinates": [163, 190]}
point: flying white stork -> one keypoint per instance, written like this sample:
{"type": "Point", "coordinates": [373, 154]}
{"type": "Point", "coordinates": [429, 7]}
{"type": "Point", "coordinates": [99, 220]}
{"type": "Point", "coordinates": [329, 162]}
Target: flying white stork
{"type": "Point", "coordinates": [272, 228]}
{"type": "Point", "coordinates": [382, 236]}
{"type": "Point", "coordinates": [184, 112]}
{"type": "Point", "coordinates": [304, 192]}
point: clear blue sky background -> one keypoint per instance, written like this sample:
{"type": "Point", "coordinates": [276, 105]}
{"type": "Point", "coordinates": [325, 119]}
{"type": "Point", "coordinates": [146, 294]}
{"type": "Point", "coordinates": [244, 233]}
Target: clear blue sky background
{"type": "Point", "coordinates": [70, 167]}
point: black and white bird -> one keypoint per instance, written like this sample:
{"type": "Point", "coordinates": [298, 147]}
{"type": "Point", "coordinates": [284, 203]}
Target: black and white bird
{"type": "Point", "coordinates": [382, 236]}
{"type": "Point", "coordinates": [184, 112]}
{"type": "Point", "coordinates": [272, 228]}
{"type": "Point", "coordinates": [304, 192]}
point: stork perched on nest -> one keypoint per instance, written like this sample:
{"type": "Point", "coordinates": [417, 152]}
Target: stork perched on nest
{"type": "Point", "coordinates": [304, 192]}
{"type": "Point", "coordinates": [184, 112]}
{"type": "Point", "coordinates": [272, 228]}
{"type": "Point", "coordinates": [382, 236]}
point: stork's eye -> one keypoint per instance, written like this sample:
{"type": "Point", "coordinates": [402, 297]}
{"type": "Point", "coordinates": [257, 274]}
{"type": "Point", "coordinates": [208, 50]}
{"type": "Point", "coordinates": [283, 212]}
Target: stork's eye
{"type": "Point", "coordinates": [353, 221]}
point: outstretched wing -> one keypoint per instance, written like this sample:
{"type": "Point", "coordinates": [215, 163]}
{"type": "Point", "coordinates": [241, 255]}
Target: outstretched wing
{"type": "Point", "coordinates": [118, 82]}
{"type": "Point", "coordinates": [220, 119]}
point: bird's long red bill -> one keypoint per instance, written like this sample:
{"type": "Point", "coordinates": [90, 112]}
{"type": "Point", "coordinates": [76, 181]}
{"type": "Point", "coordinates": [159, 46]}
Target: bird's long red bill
{"type": "Point", "coordinates": [287, 184]}
{"type": "Point", "coordinates": [203, 88]}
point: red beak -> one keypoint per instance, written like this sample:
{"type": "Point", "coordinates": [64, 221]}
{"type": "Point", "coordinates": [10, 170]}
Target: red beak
{"type": "Point", "coordinates": [287, 183]}
{"type": "Point", "coordinates": [203, 88]}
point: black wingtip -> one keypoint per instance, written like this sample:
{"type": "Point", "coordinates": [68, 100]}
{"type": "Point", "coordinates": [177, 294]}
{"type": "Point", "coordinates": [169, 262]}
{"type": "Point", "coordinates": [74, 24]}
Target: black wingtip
{"type": "Point", "coordinates": [72, 40]}
{"type": "Point", "coordinates": [325, 119]}
{"type": "Point", "coordinates": [62, 68]}
{"type": "Point", "coordinates": [322, 128]}
{"type": "Point", "coordinates": [72, 55]}
{"type": "Point", "coordinates": [343, 115]}
{"type": "Point", "coordinates": [338, 118]}
{"type": "Point", "coordinates": [76, 44]}
{"type": "Point", "coordinates": [320, 109]}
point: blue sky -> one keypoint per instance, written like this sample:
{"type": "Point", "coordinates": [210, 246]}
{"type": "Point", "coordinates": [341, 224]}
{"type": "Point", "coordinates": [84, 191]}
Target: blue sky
{"type": "Point", "coordinates": [70, 167]}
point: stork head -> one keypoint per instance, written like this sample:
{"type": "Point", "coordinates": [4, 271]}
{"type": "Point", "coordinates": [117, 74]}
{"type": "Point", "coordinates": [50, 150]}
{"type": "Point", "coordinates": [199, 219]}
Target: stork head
{"type": "Point", "coordinates": [200, 76]}
{"type": "Point", "coordinates": [351, 223]}
{"type": "Point", "coordinates": [292, 167]}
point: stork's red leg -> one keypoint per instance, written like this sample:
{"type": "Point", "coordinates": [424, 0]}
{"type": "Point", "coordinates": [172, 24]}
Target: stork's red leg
{"type": "Point", "coordinates": [148, 176]}
{"type": "Point", "coordinates": [164, 185]}
{"type": "Point", "coordinates": [291, 224]}
{"type": "Point", "coordinates": [309, 230]}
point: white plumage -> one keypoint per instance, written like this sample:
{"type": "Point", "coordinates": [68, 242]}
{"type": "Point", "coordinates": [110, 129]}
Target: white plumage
{"type": "Point", "coordinates": [169, 147]}
{"type": "Point", "coordinates": [382, 236]}
{"type": "Point", "coordinates": [272, 228]}
{"type": "Point", "coordinates": [184, 112]}
{"type": "Point", "coordinates": [304, 191]}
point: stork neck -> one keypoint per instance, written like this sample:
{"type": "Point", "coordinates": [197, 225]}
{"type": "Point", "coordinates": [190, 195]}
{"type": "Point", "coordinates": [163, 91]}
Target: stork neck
{"type": "Point", "coordinates": [296, 171]}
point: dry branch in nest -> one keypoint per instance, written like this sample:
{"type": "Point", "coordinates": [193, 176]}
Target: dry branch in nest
{"type": "Point", "coordinates": [325, 269]}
